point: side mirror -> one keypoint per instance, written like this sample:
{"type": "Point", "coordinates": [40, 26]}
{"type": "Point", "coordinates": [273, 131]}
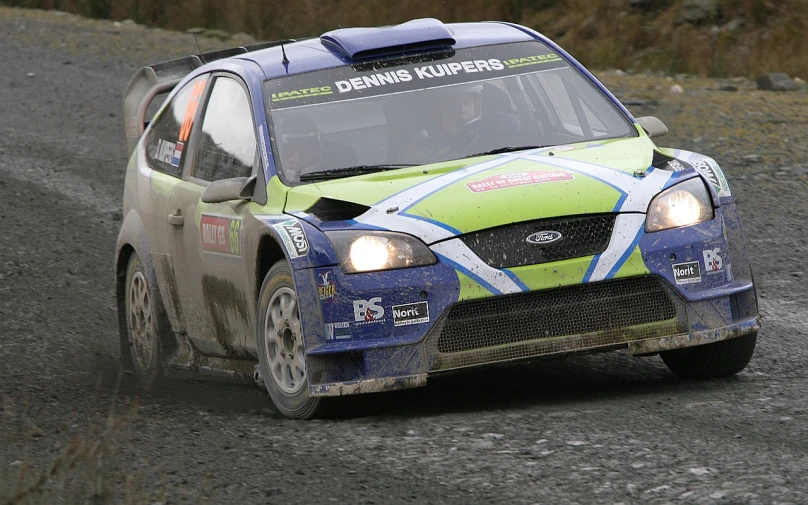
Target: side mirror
{"type": "Point", "coordinates": [653, 126]}
{"type": "Point", "coordinates": [225, 190]}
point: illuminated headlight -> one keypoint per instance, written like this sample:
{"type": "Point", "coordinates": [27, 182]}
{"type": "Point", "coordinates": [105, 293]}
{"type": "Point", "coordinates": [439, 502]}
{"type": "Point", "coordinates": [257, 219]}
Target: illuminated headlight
{"type": "Point", "coordinates": [368, 251]}
{"type": "Point", "coordinates": [685, 204]}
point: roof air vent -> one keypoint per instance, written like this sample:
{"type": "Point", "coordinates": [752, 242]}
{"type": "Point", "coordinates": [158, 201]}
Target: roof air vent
{"type": "Point", "coordinates": [419, 35]}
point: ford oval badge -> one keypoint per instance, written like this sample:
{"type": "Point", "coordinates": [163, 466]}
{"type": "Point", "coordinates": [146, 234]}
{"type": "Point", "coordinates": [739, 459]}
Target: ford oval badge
{"type": "Point", "coordinates": [543, 237]}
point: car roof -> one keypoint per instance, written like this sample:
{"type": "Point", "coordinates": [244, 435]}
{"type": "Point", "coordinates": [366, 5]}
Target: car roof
{"type": "Point", "coordinates": [355, 45]}
{"type": "Point", "coordinates": [332, 49]}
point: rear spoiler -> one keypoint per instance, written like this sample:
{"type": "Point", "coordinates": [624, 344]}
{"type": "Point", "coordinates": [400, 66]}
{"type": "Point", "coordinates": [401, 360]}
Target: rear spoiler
{"type": "Point", "coordinates": [153, 80]}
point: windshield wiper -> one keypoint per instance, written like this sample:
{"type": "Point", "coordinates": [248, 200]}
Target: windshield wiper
{"type": "Point", "coordinates": [336, 173]}
{"type": "Point", "coordinates": [501, 150]}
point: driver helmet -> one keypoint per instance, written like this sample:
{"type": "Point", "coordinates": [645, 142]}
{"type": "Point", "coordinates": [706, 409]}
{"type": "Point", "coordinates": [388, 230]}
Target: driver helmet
{"type": "Point", "coordinates": [462, 103]}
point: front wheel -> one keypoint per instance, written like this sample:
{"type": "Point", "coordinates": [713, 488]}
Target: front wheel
{"type": "Point", "coordinates": [718, 359]}
{"type": "Point", "coordinates": [281, 350]}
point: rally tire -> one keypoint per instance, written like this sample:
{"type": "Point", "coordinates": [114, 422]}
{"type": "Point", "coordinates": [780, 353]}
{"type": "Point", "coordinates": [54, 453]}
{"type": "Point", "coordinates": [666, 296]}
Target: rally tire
{"type": "Point", "coordinates": [281, 349]}
{"type": "Point", "coordinates": [142, 326]}
{"type": "Point", "coordinates": [718, 359]}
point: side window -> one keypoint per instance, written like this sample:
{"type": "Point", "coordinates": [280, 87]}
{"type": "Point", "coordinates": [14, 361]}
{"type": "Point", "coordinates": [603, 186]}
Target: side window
{"type": "Point", "coordinates": [171, 129]}
{"type": "Point", "coordinates": [226, 146]}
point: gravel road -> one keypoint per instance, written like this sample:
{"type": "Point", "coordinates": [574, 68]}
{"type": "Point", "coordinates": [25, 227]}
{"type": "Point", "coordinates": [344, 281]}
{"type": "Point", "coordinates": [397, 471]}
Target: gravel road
{"type": "Point", "coordinates": [595, 429]}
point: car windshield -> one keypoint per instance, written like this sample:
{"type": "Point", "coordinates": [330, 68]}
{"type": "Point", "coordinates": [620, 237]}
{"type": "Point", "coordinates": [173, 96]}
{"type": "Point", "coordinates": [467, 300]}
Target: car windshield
{"type": "Point", "coordinates": [431, 108]}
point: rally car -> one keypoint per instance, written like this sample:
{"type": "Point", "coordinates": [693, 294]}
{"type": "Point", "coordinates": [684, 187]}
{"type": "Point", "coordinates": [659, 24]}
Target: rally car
{"type": "Point", "coordinates": [356, 212]}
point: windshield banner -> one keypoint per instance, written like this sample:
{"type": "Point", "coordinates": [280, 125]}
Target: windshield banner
{"type": "Point", "coordinates": [466, 65]}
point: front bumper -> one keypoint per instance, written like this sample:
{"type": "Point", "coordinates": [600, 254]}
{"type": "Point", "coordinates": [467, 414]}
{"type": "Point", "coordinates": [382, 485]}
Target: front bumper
{"type": "Point", "coordinates": [635, 347]}
{"type": "Point", "coordinates": [358, 341]}
{"type": "Point", "coordinates": [691, 323]}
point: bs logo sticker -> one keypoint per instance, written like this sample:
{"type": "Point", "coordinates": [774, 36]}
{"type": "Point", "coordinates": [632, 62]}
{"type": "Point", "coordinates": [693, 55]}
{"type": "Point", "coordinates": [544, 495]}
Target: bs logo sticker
{"type": "Point", "coordinates": [368, 311]}
{"type": "Point", "coordinates": [712, 261]}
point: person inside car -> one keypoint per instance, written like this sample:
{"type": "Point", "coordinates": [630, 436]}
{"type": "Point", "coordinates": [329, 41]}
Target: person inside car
{"type": "Point", "coordinates": [457, 108]}
{"type": "Point", "coordinates": [299, 146]}
{"type": "Point", "coordinates": [469, 119]}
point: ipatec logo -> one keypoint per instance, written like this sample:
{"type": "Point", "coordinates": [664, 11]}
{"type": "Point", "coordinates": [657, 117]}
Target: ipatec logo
{"type": "Point", "coordinates": [543, 237]}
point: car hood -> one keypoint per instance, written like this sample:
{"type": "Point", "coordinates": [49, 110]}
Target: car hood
{"type": "Point", "coordinates": [468, 195]}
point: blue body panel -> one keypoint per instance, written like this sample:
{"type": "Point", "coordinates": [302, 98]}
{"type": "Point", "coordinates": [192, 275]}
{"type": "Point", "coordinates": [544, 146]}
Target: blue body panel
{"type": "Point", "coordinates": [436, 286]}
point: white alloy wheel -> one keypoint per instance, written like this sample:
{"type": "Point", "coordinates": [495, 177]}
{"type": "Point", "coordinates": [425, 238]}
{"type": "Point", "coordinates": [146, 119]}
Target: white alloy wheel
{"type": "Point", "coordinates": [281, 346]}
{"type": "Point", "coordinates": [284, 342]}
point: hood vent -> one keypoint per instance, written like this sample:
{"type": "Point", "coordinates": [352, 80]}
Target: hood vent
{"type": "Point", "coordinates": [327, 210]}
{"type": "Point", "coordinates": [419, 35]}
{"type": "Point", "coordinates": [662, 161]}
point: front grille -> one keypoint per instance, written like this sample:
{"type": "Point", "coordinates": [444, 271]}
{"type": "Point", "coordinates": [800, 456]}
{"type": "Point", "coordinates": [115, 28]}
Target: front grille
{"type": "Point", "coordinates": [507, 246]}
{"type": "Point", "coordinates": [532, 324]}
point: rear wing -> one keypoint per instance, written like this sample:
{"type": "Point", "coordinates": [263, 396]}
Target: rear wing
{"type": "Point", "coordinates": [159, 78]}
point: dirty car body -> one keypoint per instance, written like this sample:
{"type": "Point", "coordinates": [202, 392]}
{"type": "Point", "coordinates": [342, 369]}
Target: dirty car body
{"type": "Point", "coordinates": [543, 221]}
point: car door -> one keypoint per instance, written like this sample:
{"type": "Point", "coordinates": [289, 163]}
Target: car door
{"type": "Point", "coordinates": [208, 257]}
{"type": "Point", "coordinates": [163, 152]}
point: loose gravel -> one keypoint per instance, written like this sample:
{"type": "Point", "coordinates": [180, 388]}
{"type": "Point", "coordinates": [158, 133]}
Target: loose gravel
{"type": "Point", "coordinates": [594, 429]}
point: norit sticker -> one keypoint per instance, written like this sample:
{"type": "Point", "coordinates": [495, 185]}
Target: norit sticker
{"type": "Point", "coordinates": [410, 313]}
{"type": "Point", "coordinates": [687, 273]}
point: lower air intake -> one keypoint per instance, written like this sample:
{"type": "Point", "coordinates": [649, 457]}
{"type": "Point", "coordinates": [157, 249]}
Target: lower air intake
{"type": "Point", "coordinates": [532, 324]}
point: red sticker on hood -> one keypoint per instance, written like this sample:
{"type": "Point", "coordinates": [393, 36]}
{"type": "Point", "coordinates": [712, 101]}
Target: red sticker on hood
{"type": "Point", "coordinates": [517, 179]}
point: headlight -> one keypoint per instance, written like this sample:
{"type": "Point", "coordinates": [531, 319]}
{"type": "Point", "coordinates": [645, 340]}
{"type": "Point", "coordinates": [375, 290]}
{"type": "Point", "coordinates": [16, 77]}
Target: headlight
{"type": "Point", "coordinates": [685, 204]}
{"type": "Point", "coordinates": [368, 251]}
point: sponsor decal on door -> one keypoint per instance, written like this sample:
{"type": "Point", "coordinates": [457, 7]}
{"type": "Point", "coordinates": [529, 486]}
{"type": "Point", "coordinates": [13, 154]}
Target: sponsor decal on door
{"type": "Point", "coordinates": [220, 234]}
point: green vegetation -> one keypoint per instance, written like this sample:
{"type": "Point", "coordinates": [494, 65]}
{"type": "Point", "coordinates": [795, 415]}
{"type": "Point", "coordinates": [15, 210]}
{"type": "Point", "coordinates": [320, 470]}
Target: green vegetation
{"type": "Point", "coordinates": [733, 38]}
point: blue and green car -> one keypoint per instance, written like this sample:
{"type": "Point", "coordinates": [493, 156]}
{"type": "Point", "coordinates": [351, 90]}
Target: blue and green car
{"type": "Point", "coordinates": [357, 212]}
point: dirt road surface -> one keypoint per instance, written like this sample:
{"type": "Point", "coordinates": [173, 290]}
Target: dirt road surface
{"type": "Point", "coordinates": [596, 429]}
